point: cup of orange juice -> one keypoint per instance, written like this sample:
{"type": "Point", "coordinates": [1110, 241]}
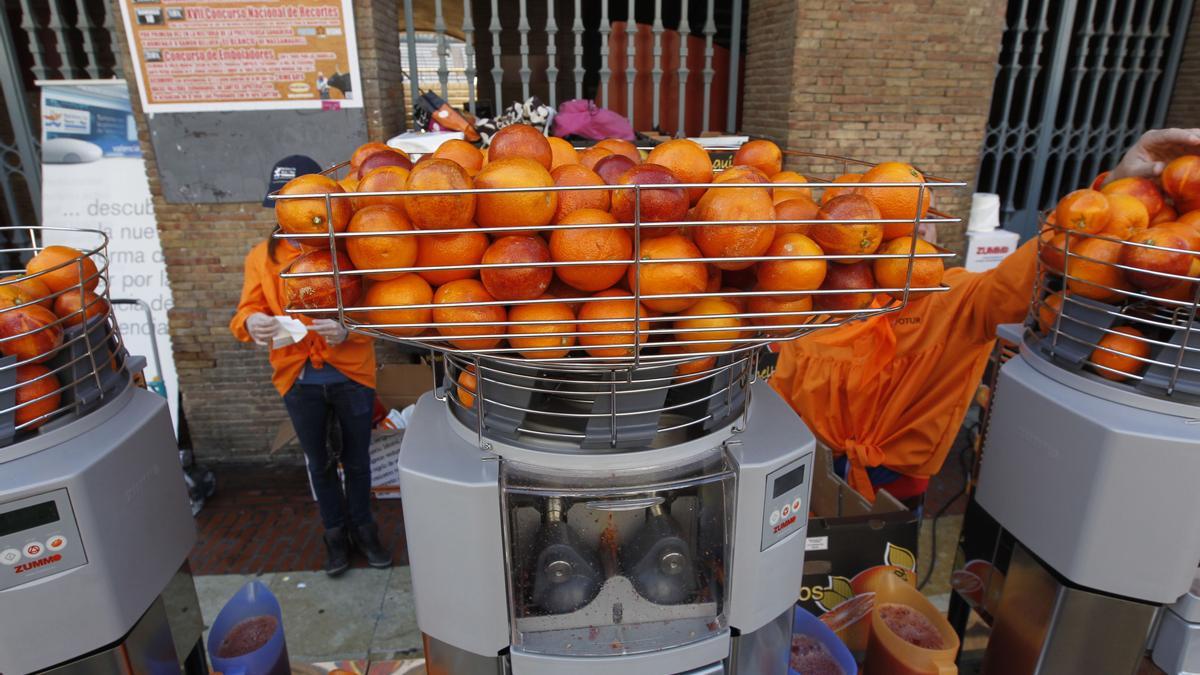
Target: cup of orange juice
{"type": "Point", "coordinates": [909, 636]}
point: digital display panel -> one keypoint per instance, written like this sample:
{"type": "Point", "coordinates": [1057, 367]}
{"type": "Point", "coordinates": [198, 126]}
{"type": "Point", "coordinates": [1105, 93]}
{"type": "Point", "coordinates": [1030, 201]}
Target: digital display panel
{"type": "Point", "coordinates": [28, 518]}
{"type": "Point", "coordinates": [789, 480]}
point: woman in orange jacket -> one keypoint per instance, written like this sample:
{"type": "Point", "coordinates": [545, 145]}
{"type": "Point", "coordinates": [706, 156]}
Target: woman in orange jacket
{"type": "Point", "coordinates": [328, 373]}
{"type": "Point", "coordinates": [888, 394]}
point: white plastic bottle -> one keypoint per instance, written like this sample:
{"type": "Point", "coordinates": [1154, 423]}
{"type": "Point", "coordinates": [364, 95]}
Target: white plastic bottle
{"type": "Point", "coordinates": [987, 245]}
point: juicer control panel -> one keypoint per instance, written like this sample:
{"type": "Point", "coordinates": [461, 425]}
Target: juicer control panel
{"type": "Point", "coordinates": [38, 538]}
{"type": "Point", "coordinates": [784, 509]}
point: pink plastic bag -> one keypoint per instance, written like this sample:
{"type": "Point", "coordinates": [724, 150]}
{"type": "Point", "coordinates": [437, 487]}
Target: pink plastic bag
{"type": "Point", "coordinates": [581, 117]}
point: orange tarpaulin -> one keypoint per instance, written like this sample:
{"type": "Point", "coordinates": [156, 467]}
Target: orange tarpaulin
{"type": "Point", "coordinates": [892, 390]}
{"type": "Point", "coordinates": [262, 291]}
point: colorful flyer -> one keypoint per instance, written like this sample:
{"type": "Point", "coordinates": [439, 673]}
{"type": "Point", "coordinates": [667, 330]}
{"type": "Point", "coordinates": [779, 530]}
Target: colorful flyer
{"type": "Point", "coordinates": [214, 55]}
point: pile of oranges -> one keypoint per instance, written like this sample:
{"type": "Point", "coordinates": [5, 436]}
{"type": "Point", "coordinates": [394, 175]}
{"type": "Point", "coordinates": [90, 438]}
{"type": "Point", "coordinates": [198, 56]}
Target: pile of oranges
{"type": "Point", "coordinates": [57, 292]}
{"type": "Point", "coordinates": [1133, 243]}
{"type": "Point", "coordinates": [526, 270]}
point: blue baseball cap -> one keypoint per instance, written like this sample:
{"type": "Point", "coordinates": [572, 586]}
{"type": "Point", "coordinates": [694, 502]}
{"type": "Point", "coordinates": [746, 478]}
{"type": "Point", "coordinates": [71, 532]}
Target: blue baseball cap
{"type": "Point", "coordinates": [286, 169]}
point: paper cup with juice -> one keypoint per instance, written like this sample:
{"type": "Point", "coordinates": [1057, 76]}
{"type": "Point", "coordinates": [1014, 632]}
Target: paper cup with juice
{"type": "Point", "coordinates": [855, 633]}
{"type": "Point", "coordinates": [909, 636]}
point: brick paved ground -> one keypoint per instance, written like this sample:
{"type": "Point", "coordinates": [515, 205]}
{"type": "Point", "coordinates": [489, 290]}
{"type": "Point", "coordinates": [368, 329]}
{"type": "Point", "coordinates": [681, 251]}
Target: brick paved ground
{"type": "Point", "coordinates": [263, 519]}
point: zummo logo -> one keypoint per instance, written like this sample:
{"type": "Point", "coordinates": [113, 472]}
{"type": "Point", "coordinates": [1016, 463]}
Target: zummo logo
{"type": "Point", "coordinates": [137, 486]}
{"type": "Point", "coordinates": [35, 564]}
{"type": "Point", "coordinates": [991, 250]}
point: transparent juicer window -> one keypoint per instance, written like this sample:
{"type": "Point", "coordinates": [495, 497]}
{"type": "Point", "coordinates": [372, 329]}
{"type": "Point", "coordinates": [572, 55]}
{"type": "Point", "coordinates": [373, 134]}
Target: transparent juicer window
{"type": "Point", "coordinates": [606, 565]}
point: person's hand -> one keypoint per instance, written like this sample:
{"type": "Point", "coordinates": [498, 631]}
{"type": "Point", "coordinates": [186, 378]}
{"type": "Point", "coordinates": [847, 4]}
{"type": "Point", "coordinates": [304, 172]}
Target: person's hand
{"type": "Point", "coordinates": [1154, 150]}
{"type": "Point", "coordinates": [329, 329]}
{"type": "Point", "coordinates": [260, 326]}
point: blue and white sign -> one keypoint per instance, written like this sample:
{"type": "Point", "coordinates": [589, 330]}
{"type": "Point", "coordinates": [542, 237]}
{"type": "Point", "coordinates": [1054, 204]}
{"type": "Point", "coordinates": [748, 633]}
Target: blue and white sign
{"type": "Point", "coordinates": [91, 113]}
{"type": "Point", "coordinates": [93, 177]}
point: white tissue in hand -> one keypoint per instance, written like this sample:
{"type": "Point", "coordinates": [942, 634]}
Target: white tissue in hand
{"type": "Point", "coordinates": [288, 331]}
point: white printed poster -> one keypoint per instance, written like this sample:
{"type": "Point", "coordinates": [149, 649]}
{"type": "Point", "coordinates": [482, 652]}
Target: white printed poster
{"type": "Point", "coordinates": [195, 55]}
{"type": "Point", "coordinates": [93, 177]}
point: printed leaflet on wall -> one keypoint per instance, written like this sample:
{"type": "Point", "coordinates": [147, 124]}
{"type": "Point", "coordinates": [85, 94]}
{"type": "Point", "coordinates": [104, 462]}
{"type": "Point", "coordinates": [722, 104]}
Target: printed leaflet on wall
{"type": "Point", "coordinates": [93, 177]}
{"type": "Point", "coordinates": [217, 55]}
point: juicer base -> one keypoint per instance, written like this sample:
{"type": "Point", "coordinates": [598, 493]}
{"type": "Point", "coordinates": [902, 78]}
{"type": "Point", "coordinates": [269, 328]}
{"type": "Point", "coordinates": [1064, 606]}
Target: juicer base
{"type": "Point", "coordinates": [1047, 626]}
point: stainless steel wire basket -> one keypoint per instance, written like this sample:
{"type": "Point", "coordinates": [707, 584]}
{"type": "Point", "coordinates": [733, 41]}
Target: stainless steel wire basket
{"type": "Point", "coordinates": [669, 381]}
{"type": "Point", "coordinates": [646, 337]}
{"type": "Point", "coordinates": [62, 350]}
{"type": "Point", "coordinates": [1088, 317]}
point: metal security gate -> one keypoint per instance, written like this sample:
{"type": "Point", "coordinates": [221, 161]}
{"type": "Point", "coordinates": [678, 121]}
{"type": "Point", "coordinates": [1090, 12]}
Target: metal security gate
{"type": "Point", "coordinates": [563, 49]}
{"type": "Point", "coordinates": [42, 40]}
{"type": "Point", "coordinates": [1077, 82]}
{"type": "Point", "coordinates": [20, 170]}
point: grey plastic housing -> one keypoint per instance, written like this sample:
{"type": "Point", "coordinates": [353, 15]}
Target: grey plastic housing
{"type": "Point", "coordinates": [120, 468]}
{"type": "Point", "coordinates": [1099, 490]}
{"type": "Point", "coordinates": [455, 530]}
{"type": "Point", "coordinates": [452, 524]}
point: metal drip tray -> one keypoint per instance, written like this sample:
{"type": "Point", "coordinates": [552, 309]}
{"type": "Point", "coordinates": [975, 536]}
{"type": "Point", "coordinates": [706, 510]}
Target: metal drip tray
{"type": "Point", "coordinates": [593, 630]}
{"type": "Point", "coordinates": [547, 435]}
{"type": "Point", "coordinates": [597, 413]}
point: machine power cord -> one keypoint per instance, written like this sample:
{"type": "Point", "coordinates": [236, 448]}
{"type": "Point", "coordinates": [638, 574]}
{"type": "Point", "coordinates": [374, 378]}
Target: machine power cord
{"type": "Point", "coordinates": [964, 457]}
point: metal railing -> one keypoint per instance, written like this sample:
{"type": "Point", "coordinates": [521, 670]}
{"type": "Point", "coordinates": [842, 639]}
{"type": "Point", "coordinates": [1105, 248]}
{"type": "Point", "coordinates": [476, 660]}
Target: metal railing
{"type": "Point", "coordinates": [612, 30]}
{"type": "Point", "coordinates": [70, 39]}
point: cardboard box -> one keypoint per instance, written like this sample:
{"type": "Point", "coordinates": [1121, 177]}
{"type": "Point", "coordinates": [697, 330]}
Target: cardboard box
{"type": "Point", "coordinates": [385, 469]}
{"type": "Point", "coordinates": [400, 385]}
{"type": "Point", "coordinates": [768, 359]}
{"type": "Point", "coordinates": [847, 535]}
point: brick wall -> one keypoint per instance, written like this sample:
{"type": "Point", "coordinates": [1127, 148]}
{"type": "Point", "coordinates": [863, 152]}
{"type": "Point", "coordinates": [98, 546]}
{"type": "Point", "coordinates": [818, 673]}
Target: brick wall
{"type": "Point", "coordinates": [231, 407]}
{"type": "Point", "coordinates": [767, 89]}
{"type": "Point", "coordinates": [376, 22]}
{"type": "Point", "coordinates": [877, 81]}
{"type": "Point", "coordinates": [1184, 110]}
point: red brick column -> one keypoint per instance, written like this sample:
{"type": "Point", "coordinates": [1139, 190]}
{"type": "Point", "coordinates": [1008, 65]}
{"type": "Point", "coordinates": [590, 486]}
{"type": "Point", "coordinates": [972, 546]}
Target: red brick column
{"type": "Point", "coordinates": [877, 81]}
{"type": "Point", "coordinates": [377, 24]}
{"type": "Point", "coordinates": [770, 65]}
{"type": "Point", "coordinates": [231, 407]}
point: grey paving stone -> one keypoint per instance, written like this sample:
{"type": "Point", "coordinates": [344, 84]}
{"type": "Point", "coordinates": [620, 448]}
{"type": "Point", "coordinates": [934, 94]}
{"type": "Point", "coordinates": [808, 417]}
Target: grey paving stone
{"type": "Point", "coordinates": [396, 633]}
{"type": "Point", "coordinates": [330, 619]}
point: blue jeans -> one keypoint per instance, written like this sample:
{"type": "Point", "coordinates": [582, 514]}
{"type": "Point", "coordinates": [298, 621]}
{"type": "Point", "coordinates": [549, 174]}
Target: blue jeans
{"type": "Point", "coordinates": [311, 406]}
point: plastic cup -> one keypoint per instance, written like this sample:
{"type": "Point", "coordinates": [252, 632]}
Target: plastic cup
{"type": "Point", "coordinates": [888, 653]}
{"type": "Point", "coordinates": [812, 627]}
{"type": "Point", "coordinates": [252, 600]}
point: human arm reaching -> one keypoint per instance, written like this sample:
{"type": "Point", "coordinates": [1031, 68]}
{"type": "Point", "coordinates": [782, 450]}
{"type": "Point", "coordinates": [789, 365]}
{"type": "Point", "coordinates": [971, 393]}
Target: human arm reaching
{"type": "Point", "coordinates": [1153, 151]}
